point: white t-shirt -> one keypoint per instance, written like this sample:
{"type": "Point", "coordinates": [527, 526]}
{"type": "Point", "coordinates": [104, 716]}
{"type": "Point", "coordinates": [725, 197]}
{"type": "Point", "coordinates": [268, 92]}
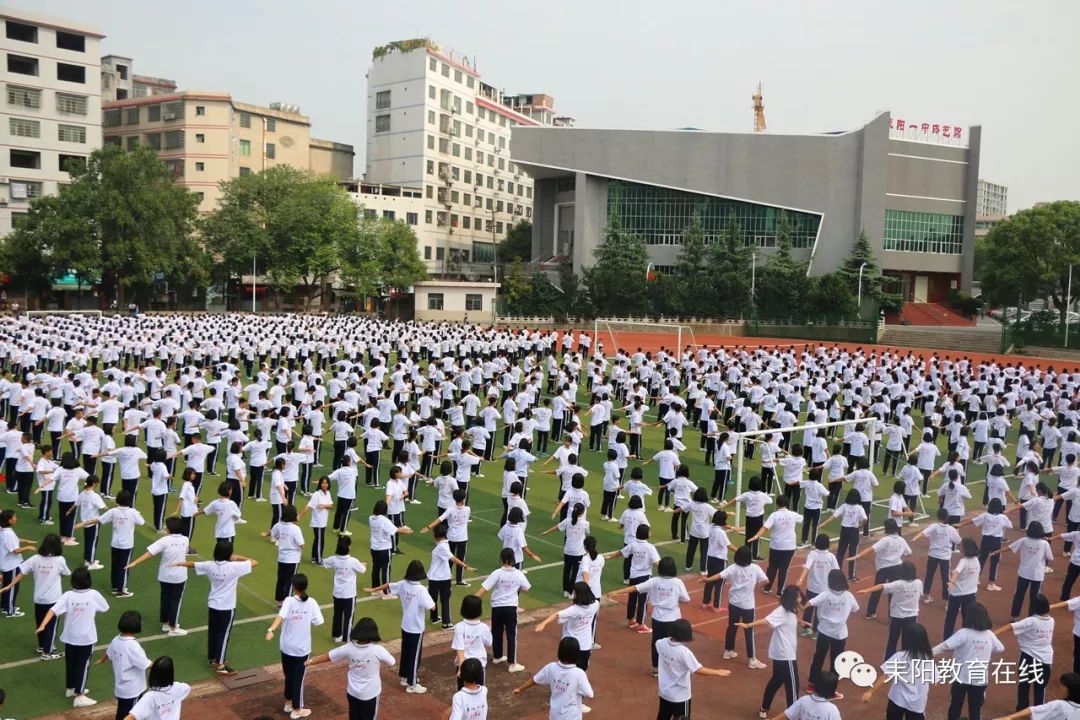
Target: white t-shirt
{"type": "Point", "coordinates": [781, 525]}
{"type": "Point", "coordinates": [415, 602]}
{"type": "Point", "coordinates": [967, 576]}
{"type": "Point", "coordinates": [741, 583]}
{"type": "Point", "coordinates": [223, 579]}
{"type": "Point", "coordinates": [890, 551]}
{"type": "Point", "coordinates": [812, 707]}
{"type": "Point", "coordinates": [1056, 710]}
{"type": "Point", "coordinates": [163, 704]}
{"type": "Point", "coordinates": [1035, 635]}
{"type": "Point", "coordinates": [47, 572]}
{"type": "Point", "coordinates": [129, 663]}
{"type": "Point", "coordinates": [473, 638]}
{"type": "Point", "coordinates": [568, 684]}
{"type": "Point", "coordinates": [577, 622]}
{"type": "Point", "coordinates": [172, 549]}
{"type": "Point", "coordinates": [909, 681]}
{"type": "Point", "coordinates": [675, 666]}
{"type": "Point", "coordinates": [904, 596]}
{"type": "Point", "coordinates": [297, 617]}
{"type": "Point", "coordinates": [643, 555]}
{"type": "Point", "coordinates": [124, 520]}
{"type": "Point", "coordinates": [782, 644]}
{"type": "Point", "coordinates": [364, 661]}
{"type": "Point", "coordinates": [469, 704]}
{"type": "Point", "coordinates": [81, 607]}
{"type": "Point", "coordinates": [345, 568]}
{"type": "Point", "coordinates": [833, 609]}
{"type": "Point", "coordinates": [1035, 555]}
{"type": "Point", "coordinates": [290, 541]}
{"type": "Point", "coordinates": [664, 595]}
{"type": "Point", "coordinates": [504, 585]}
{"type": "Point", "coordinates": [971, 648]}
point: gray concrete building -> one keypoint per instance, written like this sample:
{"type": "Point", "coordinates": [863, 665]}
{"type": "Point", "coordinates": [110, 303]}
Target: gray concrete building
{"type": "Point", "coordinates": [914, 194]}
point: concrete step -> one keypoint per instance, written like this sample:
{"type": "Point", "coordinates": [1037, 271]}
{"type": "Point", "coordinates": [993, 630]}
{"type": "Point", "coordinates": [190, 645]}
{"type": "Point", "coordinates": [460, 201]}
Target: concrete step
{"type": "Point", "coordinates": [957, 339]}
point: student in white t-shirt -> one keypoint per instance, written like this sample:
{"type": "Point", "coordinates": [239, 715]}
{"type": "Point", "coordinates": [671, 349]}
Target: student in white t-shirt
{"type": "Point", "coordinates": [48, 568]}
{"type": "Point", "coordinates": [123, 518]}
{"type": "Point", "coordinates": [904, 593]}
{"type": "Point", "coordinates": [818, 704]}
{"type": "Point", "coordinates": [742, 577]}
{"type": "Point", "coordinates": [365, 658]}
{"type": "Point", "coordinates": [319, 505]}
{"type": "Point", "coordinates": [295, 618]}
{"type": "Point", "coordinates": [165, 697]}
{"type": "Point", "coordinates": [470, 701]}
{"type": "Point", "coordinates": [677, 665]}
{"type": "Point", "coordinates": [173, 549]}
{"type": "Point", "coordinates": [972, 647]}
{"type": "Point", "coordinates": [1068, 708]}
{"type": "Point", "coordinates": [505, 584]}
{"type": "Point", "coordinates": [129, 663]}
{"type": "Point", "coordinates": [416, 602]}
{"type": "Point", "coordinates": [783, 647]}
{"type": "Point", "coordinates": [472, 638]}
{"type": "Point", "coordinates": [81, 604]}
{"type": "Point", "coordinates": [290, 543]}
{"type": "Point", "coordinates": [909, 674]}
{"type": "Point", "coordinates": [781, 526]}
{"type": "Point", "coordinates": [1035, 636]}
{"type": "Point", "coordinates": [345, 568]}
{"type": "Point", "coordinates": [578, 621]}
{"type": "Point", "coordinates": [568, 682]}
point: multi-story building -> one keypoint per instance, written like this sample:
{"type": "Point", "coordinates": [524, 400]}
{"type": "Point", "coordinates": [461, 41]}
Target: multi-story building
{"type": "Point", "coordinates": [913, 196]}
{"type": "Point", "coordinates": [434, 123]}
{"type": "Point", "coordinates": [992, 200]}
{"type": "Point", "coordinates": [206, 137]}
{"type": "Point", "coordinates": [119, 81]}
{"type": "Point", "coordinates": [51, 111]}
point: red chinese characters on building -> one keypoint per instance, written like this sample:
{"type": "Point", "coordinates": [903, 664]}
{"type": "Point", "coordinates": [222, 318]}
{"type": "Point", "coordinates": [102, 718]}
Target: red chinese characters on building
{"type": "Point", "coordinates": [906, 126]}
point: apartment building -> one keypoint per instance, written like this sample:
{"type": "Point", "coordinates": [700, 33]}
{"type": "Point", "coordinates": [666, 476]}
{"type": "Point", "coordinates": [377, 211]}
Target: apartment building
{"type": "Point", "coordinates": [992, 199]}
{"type": "Point", "coordinates": [434, 123]}
{"type": "Point", "coordinates": [119, 81]}
{"type": "Point", "coordinates": [206, 137]}
{"type": "Point", "coordinates": [51, 111]}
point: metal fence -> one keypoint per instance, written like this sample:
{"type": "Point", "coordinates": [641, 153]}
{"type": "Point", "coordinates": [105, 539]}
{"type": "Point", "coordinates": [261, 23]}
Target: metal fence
{"type": "Point", "coordinates": [829, 329]}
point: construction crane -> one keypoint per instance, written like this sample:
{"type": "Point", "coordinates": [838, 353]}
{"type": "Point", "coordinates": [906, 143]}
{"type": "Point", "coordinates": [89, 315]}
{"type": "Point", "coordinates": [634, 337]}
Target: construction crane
{"type": "Point", "coordinates": [759, 110]}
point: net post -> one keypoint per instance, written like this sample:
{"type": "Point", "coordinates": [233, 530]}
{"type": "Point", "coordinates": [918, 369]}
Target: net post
{"type": "Point", "coordinates": [738, 478]}
{"type": "Point", "coordinates": [678, 351]}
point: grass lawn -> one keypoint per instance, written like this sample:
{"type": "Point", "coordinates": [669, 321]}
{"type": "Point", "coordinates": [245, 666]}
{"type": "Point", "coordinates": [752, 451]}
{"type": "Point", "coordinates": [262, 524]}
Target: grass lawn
{"type": "Point", "coordinates": [19, 666]}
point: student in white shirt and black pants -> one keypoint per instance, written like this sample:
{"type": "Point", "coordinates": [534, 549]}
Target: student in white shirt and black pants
{"type": "Point", "coordinates": [82, 605]}
{"type": "Point", "coordinates": [295, 618]}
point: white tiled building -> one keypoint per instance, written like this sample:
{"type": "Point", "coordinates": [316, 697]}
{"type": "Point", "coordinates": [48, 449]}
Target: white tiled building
{"type": "Point", "coordinates": [992, 199]}
{"type": "Point", "coordinates": [51, 110]}
{"type": "Point", "coordinates": [433, 123]}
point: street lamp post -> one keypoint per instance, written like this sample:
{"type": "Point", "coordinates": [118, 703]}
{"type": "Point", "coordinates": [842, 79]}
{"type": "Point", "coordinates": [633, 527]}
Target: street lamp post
{"type": "Point", "coordinates": [753, 276]}
{"type": "Point", "coordinates": [253, 257]}
{"type": "Point", "coordinates": [1068, 303]}
{"type": "Point", "coordinates": [859, 301]}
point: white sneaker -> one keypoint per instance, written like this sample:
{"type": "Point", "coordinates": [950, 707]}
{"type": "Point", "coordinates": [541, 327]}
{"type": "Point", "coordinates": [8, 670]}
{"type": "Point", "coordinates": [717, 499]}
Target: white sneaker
{"type": "Point", "coordinates": [416, 689]}
{"type": "Point", "coordinates": [993, 587]}
{"type": "Point", "coordinates": [95, 566]}
{"type": "Point", "coordinates": [596, 646]}
{"type": "Point", "coordinates": [755, 664]}
{"type": "Point", "coordinates": [84, 701]}
{"type": "Point", "coordinates": [415, 502]}
{"type": "Point", "coordinates": [260, 499]}
{"type": "Point", "coordinates": [288, 708]}
{"type": "Point", "coordinates": [301, 713]}
{"type": "Point", "coordinates": [498, 660]}
{"type": "Point", "coordinates": [585, 709]}
{"type": "Point", "coordinates": [166, 628]}
{"type": "Point", "coordinates": [241, 521]}
{"type": "Point", "coordinates": [515, 668]}
{"type": "Point", "coordinates": [69, 693]}
{"type": "Point", "coordinates": [177, 632]}
{"type": "Point", "coordinates": [729, 654]}
{"type": "Point", "coordinates": [404, 682]}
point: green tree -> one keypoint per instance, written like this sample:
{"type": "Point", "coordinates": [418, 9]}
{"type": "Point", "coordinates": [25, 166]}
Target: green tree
{"type": "Point", "coordinates": [400, 263]}
{"type": "Point", "coordinates": [862, 254]}
{"type": "Point", "coordinates": [298, 225]}
{"type": "Point", "coordinates": [785, 287]}
{"type": "Point", "coordinates": [121, 218]}
{"type": "Point", "coordinates": [516, 288]}
{"type": "Point", "coordinates": [518, 243]}
{"type": "Point", "coordinates": [616, 281]}
{"type": "Point", "coordinates": [728, 286]}
{"type": "Point", "coordinates": [686, 291]}
{"type": "Point", "coordinates": [1029, 255]}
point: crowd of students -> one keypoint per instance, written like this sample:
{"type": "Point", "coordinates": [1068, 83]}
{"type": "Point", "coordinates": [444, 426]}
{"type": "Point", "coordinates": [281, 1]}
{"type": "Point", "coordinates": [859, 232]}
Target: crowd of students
{"type": "Point", "coordinates": [96, 409]}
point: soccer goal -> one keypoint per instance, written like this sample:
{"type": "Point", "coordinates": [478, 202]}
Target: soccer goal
{"type": "Point", "coordinates": [46, 313]}
{"type": "Point", "coordinates": [835, 432]}
{"type": "Point", "coordinates": [649, 335]}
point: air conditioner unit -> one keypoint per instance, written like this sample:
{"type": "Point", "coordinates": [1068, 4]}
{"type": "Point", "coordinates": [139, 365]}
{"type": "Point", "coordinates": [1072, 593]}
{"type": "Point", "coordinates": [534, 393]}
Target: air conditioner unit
{"type": "Point", "coordinates": [168, 116]}
{"type": "Point", "coordinates": [4, 180]}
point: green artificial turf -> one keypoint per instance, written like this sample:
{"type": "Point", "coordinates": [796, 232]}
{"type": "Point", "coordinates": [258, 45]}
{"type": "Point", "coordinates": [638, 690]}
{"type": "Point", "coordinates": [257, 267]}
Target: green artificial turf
{"type": "Point", "coordinates": [37, 688]}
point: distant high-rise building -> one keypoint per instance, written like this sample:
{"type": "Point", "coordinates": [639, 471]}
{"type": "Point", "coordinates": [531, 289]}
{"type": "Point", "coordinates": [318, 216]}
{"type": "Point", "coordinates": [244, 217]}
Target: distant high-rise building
{"type": "Point", "coordinates": [51, 113]}
{"type": "Point", "coordinates": [434, 123]}
{"type": "Point", "coordinates": [206, 137]}
{"type": "Point", "coordinates": [119, 81]}
{"type": "Point", "coordinates": [992, 199]}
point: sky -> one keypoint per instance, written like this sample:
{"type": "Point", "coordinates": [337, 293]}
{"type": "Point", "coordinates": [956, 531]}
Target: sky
{"type": "Point", "coordinates": [826, 65]}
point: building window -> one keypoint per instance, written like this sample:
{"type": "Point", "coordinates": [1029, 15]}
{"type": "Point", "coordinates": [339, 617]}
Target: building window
{"type": "Point", "coordinates": [430, 117]}
{"type": "Point", "coordinates": [71, 73]}
{"type": "Point", "coordinates": [71, 104]}
{"type": "Point", "coordinates": [24, 97]}
{"type": "Point", "coordinates": [431, 91]}
{"type": "Point", "coordinates": [245, 120]}
{"type": "Point", "coordinates": [25, 189]}
{"type": "Point", "coordinates": [70, 41]}
{"type": "Point", "coordinates": [430, 142]}
{"type": "Point", "coordinates": [427, 217]}
{"type": "Point", "coordinates": [469, 81]}
{"type": "Point", "coordinates": [922, 232]}
{"type": "Point", "coordinates": [139, 91]}
{"type": "Point", "coordinates": [71, 133]}
{"type": "Point", "coordinates": [382, 123]}
{"type": "Point", "coordinates": [433, 64]}
{"type": "Point", "coordinates": [174, 139]}
{"type": "Point", "coordinates": [454, 196]}
{"type": "Point", "coordinates": [445, 70]}
{"type": "Point", "coordinates": [154, 140]}
{"type": "Point", "coordinates": [430, 167]}
{"type": "Point", "coordinates": [131, 116]}
{"type": "Point", "coordinates": [245, 171]}
{"type": "Point", "coordinates": [499, 228]}
{"type": "Point", "coordinates": [153, 113]}
{"type": "Point", "coordinates": [271, 150]}
{"type": "Point", "coordinates": [474, 301]}
{"type": "Point", "coordinates": [444, 146]}
{"type": "Point", "coordinates": [456, 150]}
{"type": "Point", "coordinates": [427, 252]}
{"type": "Point", "coordinates": [201, 196]}
{"type": "Point", "coordinates": [435, 301]}
{"type": "Point", "coordinates": [26, 159]}
{"type": "Point", "coordinates": [428, 192]}
{"type": "Point", "coordinates": [466, 199]}
{"type": "Point", "coordinates": [440, 253]}
{"type": "Point", "coordinates": [465, 222]}
{"type": "Point", "coordinates": [200, 110]}
{"type": "Point", "coordinates": [382, 100]}
{"type": "Point", "coordinates": [370, 214]}
{"type": "Point", "coordinates": [22, 65]}
{"type": "Point", "coordinates": [200, 166]}
{"type": "Point", "coordinates": [21, 31]}
{"type": "Point", "coordinates": [172, 111]}
{"type": "Point", "coordinates": [122, 70]}
{"type": "Point", "coordinates": [131, 142]}
{"type": "Point", "coordinates": [468, 107]}
{"type": "Point", "coordinates": [25, 128]}
{"type": "Point", "coordinates": [389, 215]}
{"type": "Point", "coordinates": [176, 168]}
{"type": "Point", "coordinates": [457, 75]}
{"type": "Point", "coordinates": [412, 218]}
{"type": "Point", "coordinates": [200, 137]}
{"type": "Point", "coordinates": [73, 163]}
{"type": "Point", "coordinates": [245, 148]}
{"type": "Point", "coordinates": [271, 124]}
{"type": "Point", "coordinates": [479, 135]}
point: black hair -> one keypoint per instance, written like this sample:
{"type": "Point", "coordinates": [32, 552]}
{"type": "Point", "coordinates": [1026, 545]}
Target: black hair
{"type": "Point", "coordinates": [837, 581]}
{"type": "Point", "coordinates": [472, 607]}
{"type": "Point", "coordinates": [1070, 680]}
{"type": "Point", "coordinates": [906, 571]}
{"type": "Point", "coordinates": [667, 567]}
{"type": "Point", "coordinates": [743, 556]}
{"type": "Point", "coordinates": [589, 543]}
{"type": "Point", "coordinates": [642, 532]}
{"type": "Point", "coordinates": [123, 498]}
{"type": "Point", "coordinates": [635, 503]}
{"type": "Point", "coordinates": [1035, 530]}
{"type": "Point", "coordinates": [300, 585]}
{"type": "Point", "coordinates": [791, 598]}
{"type": "Point", "coordinates": [51, 546]}
{"type": "Point", "coordinates": [681, 631]}
{"type": "Point", "coordinates": [853, 497]}
{"type": "Point", "coordinates": [978, 618]}
{"type": "Point", "coordinates": [579, 510]}
{"type": "Point", "coordinates": [471, 671]}
{"type": "Point", "coordinates": [379, 508]}
{"type": "Point", "coordinates": [80, 579]}
{"type": "Point", "coordinates": [161, 673]}
{"type": "Point", "coordinates": [825, 684]}
{"type": "Point", "coordinates": [130, 622]}
{"type": "Point", "coordinates": [821, 542]}
{"type": "Point", "coordinates": [1040, 605]}
{"type": "Point", "coordinates": [969, 547]}
{"type": "Point", "coordinates": [569, 650]}
{"type": "Point", "coordinates": [366, 630]}
{"type": "Point", "coordinates": [289, 513]}
{"type": "Point", "coordinates": [507, 556]}
{"type": "Point", "coordinates": [223, 550]}
{"type": "Point", "coordinates": [415, 571]}
{"type": "Point", "coordinates": [916, 643]}
{"type": "Point", "coordinates": [344, 544]}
